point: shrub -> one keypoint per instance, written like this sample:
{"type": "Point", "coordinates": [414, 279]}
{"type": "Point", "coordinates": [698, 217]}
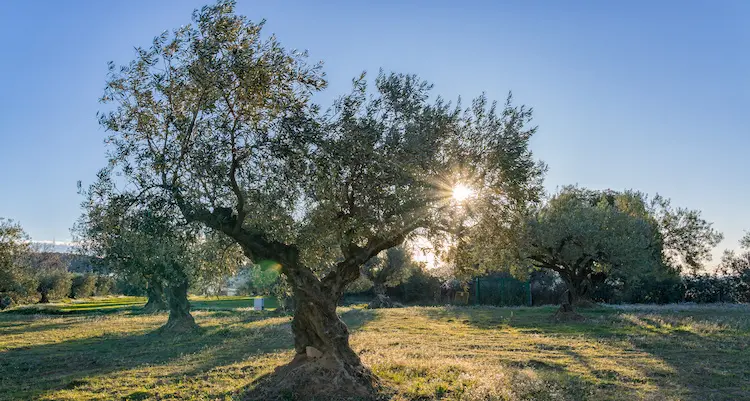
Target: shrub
{"type": "Point", "coordinates": [711, 288]}
{"type": "Point", "coordinates": [104, 285]}
{"type": "Point", "coordinates": [83, 285]}
{"type": "Point", "coordinates": [420, 288]}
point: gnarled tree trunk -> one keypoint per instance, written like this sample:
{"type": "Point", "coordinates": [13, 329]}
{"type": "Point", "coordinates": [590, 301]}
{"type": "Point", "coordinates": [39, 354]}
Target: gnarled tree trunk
{"type": "Point", "coordinates": [325, 366]}
{"type": "Point", "coordinates": [155, 293]}
{"type": "Point", "coordinates": [180, 319]}
{"type": "Point", "coordinates": [44, 297]}
{"type": "Point", "coordinates": [382, 300]}
{"type": "Point", "coordinates": [578, 288]}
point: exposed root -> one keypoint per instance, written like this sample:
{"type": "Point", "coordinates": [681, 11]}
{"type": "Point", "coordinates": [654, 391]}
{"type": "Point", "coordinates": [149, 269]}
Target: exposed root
{"type": "Point", "coordinates": [180, 326]}
{"type": "Point", "coordinates": [323, 378]}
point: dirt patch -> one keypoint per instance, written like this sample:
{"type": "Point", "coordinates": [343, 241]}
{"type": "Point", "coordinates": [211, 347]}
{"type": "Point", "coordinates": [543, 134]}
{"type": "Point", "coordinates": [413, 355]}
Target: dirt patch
{"type": "Point", "coordinates": [316, 379]}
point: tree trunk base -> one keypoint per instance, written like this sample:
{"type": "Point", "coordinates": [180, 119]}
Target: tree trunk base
{"type": "Point", "coordinates": [185, 324]}
{"type": "Point", "coordinates": [315, 376]}
{"type": "Point", "coordinates": [383, 301]}
{"type": "Point", "coordinates": [567, 314]}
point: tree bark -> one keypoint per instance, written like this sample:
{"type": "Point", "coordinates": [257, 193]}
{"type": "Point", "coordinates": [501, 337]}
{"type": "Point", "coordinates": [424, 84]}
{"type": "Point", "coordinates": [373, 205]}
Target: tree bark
{"type": "Point", "coordinates": [180, 319]}
{"type": "Point", "coordinates": [325, 364]}
{"type": "Point", "coordinates": [155, 293]}
{"type": "Point", "coordinates": [378, 288]}
{"type": "Point", "coordinates": [45, 297]}
{"type": "Point", "coordinates": [382, 300]}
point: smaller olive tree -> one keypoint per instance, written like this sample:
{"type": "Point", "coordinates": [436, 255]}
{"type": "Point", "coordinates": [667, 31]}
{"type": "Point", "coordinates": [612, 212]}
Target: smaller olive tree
{"type": "Point", "coordinates": [53, 284]}
{"type": "Point", "coordinates": [592, 236]}
{"type": "Point", "coordinates": [83, 285]}
{"type": "Point", "coordinates": [389, 268]}
{"type": "Point", "coordinates": [144, 241]}
{"type": "Point", "coordinates": [17, 283]}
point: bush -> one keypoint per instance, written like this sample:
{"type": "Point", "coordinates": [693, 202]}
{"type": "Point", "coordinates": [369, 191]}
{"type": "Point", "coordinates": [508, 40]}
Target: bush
{"type": "Point", "coordinates": [134, 287]}
{"type": "Point", "coordinates": [708, 288]}
{"type": "Point", "coordinates": [83, 285]}
{"type": "Point", "coordinates": [20, 289]}
{"type": "Point", "coordinates": [420, 288]}
{"type": "Point", "coordinates": [664, 289]}
{"type": "Point", "coordinates": [104, 285]}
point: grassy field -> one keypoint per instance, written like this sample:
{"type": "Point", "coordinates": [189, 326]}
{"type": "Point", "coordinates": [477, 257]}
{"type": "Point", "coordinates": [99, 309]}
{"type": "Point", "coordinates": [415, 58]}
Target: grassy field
{"type": "Point", "coordinates": [106, 350]}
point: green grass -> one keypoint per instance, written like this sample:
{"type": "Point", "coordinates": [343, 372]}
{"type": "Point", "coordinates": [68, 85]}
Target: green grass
{"type": "Point", "coordinates": [420, 353]}
{"type": "Point", "coordinates": [124, 303]}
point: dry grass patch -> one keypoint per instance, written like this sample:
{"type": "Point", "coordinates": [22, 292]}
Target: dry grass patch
{"type": "Point", "coordinates": [420, 353]}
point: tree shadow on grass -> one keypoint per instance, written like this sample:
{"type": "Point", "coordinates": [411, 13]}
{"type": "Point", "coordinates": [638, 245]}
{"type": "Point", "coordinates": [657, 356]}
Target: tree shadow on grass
{"type": "Point", "coordinates": [686, 354]}
{"type": "Point", "coordinates": [31, 372]}
{"type": "Point", "coordinates": [30, 325]}
{"type": "Point", "coordinates": [74, 309]}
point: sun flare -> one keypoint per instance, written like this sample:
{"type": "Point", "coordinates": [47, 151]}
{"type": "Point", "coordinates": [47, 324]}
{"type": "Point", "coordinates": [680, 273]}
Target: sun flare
{"type": "Point", "coordinates": [462, 192]}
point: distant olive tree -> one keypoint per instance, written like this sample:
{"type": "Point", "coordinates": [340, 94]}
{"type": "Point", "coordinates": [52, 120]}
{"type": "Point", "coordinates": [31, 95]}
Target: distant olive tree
{"type": "Point", "coordinates": [591, 236]}
{"type": "Point", "coordinates": [148, 242]}
{"type": "Point", "coordinates": [53, 284]}
{"type": "Point", "coordinates": [83, 285]}
{"type": "Point", "coordinates": [17, 282]}
{"type": "Point", "coordinates": [390, 268]}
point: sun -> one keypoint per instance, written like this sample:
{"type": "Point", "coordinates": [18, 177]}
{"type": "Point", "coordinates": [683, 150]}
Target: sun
{"type": "Point", "coordinates": [462, 192]}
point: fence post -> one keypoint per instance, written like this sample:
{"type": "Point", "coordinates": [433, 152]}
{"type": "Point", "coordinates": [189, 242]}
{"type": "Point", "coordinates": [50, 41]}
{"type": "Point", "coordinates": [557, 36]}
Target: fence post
{"type": "Point", "coordinates": [476, 291]}
{"type": "Point", "coordinates": [529, 287]}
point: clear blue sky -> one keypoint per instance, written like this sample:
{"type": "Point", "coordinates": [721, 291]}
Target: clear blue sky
{"type": "Point", "coordinates": [650, 95]}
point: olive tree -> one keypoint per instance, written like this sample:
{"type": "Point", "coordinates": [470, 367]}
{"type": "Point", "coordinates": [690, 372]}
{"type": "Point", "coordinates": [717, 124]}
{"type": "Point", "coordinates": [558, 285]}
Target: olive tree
{"type": "Point", "coordinates": [108, 231]}
{"type": "Point", "coordinates": [588, 236]}
{"type": "Point", "coordinates": [390, 268]}
{"type": "Point", "coordinates": [16, 281]}
{"type": "Point", "coordinates": [145, 240]}
{"type": "Point", "coordinates": [217, 117]}
{"type": "Point", "coordinates": [582, 240]}
{"type": "Point", "coordinates": [53, 283]}
{"type": "Point", "coordinates": [83, 285]}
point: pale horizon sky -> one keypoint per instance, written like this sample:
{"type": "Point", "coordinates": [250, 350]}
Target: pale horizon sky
{"type": "Point", "coordinates": [652, 96]}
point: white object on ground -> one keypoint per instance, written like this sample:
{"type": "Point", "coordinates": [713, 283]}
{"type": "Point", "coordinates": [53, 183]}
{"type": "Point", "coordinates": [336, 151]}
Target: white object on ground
{"type": "Point", "coordinates": [258, 304]}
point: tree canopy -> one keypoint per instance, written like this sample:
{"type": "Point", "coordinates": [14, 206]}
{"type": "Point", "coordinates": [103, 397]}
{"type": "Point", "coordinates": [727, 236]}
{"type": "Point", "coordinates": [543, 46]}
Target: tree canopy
{"type": "Point", "coordinates": [588, 236]}
{"type": "Point", "coordinates": [217, 118]}
{"type": "Point", "coordinates": [16, 281]}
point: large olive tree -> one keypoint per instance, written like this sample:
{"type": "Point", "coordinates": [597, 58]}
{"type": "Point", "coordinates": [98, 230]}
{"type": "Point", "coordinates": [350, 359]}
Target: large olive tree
{"type": "Point", "coordinates": [588, 236]}
{"type": "Point", "coordinates": [217, 117]}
